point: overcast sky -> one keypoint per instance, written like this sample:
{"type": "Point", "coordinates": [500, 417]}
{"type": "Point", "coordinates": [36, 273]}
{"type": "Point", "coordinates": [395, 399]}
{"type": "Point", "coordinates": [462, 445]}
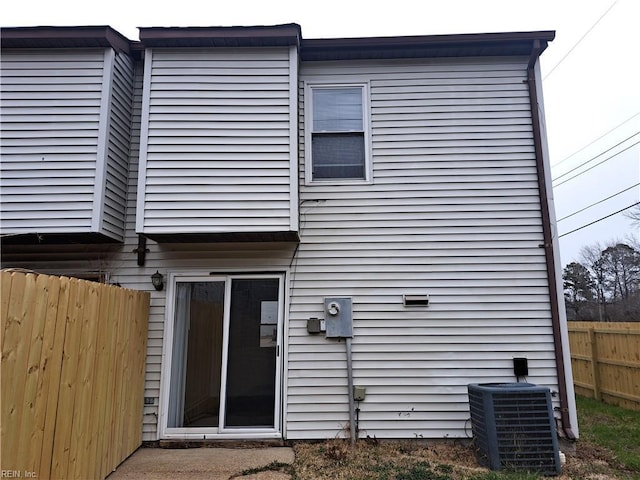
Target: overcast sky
{"type": "Point", "coordinates": [591, 83]}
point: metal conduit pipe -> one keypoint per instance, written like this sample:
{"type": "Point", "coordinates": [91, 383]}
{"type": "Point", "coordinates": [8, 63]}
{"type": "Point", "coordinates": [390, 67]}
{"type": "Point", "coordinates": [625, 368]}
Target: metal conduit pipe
{"type": "Point", "coordinates": [352, 408]}
{"type": "Point", "coordinates": [548, 242]}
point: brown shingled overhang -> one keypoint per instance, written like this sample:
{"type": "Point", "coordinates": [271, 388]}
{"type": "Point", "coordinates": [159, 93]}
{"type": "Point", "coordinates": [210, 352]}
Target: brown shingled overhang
{"type": "Point", "coordinates": [427, 46]}
{"type": "Point", "coordinates": [256, 36]}
{"type": "Point", "coordinates": [64, 37]}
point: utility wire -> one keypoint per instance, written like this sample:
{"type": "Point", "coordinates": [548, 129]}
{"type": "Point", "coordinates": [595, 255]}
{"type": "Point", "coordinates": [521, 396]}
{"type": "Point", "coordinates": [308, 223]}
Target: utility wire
{"type": "Point", "coordinates": [597, 164]}
{"type": "Point", "coordinates": [600, 219]}
{"type": "Point", "coordinates": [598, 155]}
{"type": "Point", "coordinates": [598, 202]}
{"type": "Point", "coordinates": [594, 141]}
{"type": "Point", "coordinates": [581, 39]}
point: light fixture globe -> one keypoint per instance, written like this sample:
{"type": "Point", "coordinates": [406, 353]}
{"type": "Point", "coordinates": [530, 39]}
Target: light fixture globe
{"type": "Point", "coordinates": [157, 280]}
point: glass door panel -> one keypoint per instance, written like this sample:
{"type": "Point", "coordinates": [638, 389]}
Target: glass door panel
{"type": "Point", "coordinates": [224, 355]}
{"type": "Point", "coordinates": [194, 399]}
{"type": "Point", "coordinates": [250, 397]}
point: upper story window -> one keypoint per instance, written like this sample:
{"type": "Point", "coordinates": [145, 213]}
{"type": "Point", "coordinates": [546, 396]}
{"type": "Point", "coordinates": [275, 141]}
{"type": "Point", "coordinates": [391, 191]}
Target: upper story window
{"type": "Point", "coordinates": [337, 133]}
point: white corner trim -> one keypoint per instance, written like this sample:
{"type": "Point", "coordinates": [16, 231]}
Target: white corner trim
{"type": "Point", "coordinates": [293, 139]}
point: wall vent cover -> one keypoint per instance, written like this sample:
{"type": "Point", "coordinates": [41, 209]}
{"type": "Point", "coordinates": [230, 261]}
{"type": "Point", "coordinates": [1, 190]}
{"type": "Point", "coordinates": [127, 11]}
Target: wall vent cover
{"type": "Point", "coordinates": [513, 427]}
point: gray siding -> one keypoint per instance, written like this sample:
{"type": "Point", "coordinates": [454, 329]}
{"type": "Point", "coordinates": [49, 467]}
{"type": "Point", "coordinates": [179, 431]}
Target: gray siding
{"type": "Point", "coordinates": [55, 131]}
{"type": "Point", "coordinates": [453, 212]}
{"type": "Point", "coordinates": [216, 142]}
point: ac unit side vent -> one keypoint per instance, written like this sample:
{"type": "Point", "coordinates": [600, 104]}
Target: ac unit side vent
{"type": "Point", "coordinates": [513, 427]}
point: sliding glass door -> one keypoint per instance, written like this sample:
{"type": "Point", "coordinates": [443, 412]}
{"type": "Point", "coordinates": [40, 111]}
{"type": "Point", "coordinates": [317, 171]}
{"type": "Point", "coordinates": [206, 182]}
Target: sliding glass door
{"type": "Point", "coordinates": [224, 359]}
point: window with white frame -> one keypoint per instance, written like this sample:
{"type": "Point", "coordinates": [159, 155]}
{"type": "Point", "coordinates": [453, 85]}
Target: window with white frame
{"type": "Point", "coordinates": [337, 133]}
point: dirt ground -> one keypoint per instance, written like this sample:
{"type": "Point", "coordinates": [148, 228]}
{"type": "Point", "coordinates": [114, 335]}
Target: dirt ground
{"type": "Point", "coordinates": [336, 459]}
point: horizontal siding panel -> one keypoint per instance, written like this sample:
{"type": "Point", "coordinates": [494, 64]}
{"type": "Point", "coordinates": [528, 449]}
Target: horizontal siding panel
{"type": "Point", "coordinates": [211, 128]}
{"type": "Point", "coordinates": [55, 119]}
{"type": "Point", "coordinates": [237, 86]}
{"type": "Point", "coordinates": [198, 136]}
{"type": "Point", "coordinates": [162, 186]}
{"type": "Point", "coordinates": [236, 210]}
{"type": "Point", "coordinates": [218, 137]}
{"type": "Point", "coordinates": [441, 359]}
{"type": "Point", "coordinates": [257, 116]}
{"type": "Point", "coordinates": [216, 100]}
{"type": "Point", "coordinates": [232, 151]}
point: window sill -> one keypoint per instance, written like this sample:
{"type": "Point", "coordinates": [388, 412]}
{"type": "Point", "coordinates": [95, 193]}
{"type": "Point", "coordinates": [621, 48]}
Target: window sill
{"type": "Point", "coordinates": [337, 182]}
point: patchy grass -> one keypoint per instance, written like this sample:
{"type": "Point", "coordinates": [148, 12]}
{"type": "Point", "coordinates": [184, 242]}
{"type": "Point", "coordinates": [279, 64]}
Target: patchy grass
{"type": "Point", "coordinates": [611, 427]}
{"type": "Point", "coordinates": [402, 460]}
{"type": "Point", "coordinates": [272, 467]}
{"type": "Point", "coordinates": [609, 449]}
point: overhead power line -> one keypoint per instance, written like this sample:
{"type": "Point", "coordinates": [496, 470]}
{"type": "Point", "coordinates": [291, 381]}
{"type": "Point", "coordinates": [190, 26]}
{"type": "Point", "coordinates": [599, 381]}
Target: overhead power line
{"type": "Point", "coordinates": [594, 141]}
{"type": "Point", "coordinates": [598, 155]}
{"type": "Point", "coordinates": [581, 39]}
{"type": "Point", "coordinates": [597, 164]}
{"type": "Point", "coordinates": [600, 219]}
{"type": "Point", "coordinates": [598, 202]}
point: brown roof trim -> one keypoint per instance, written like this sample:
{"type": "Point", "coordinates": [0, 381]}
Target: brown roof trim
{"type": "Point", "coordinates": [64, 37]}
{"type": "Point", "coordinates": [424, 46]}
{"type": "Point", "coordinates": [259, 36]}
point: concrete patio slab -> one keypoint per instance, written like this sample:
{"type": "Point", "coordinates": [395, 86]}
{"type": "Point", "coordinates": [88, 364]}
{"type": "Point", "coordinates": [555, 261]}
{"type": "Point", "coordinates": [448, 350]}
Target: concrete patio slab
{"type": "Point", "coordinates": [202, 463]}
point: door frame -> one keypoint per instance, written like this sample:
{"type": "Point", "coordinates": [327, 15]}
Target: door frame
{"type": "Point", "coordinates": [222, 432]}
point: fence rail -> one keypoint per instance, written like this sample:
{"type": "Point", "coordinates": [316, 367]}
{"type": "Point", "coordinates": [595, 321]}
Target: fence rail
{"type": "Point", "coordinates": [605, 358]}
{"type": "Point", "coordinates": [73, 357]}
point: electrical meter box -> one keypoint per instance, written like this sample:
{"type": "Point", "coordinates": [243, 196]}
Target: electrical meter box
{"type": "Point", "coordinates": [338, 319]}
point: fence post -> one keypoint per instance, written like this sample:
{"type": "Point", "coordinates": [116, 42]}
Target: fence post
{"type": "Point", "coordinates": [594, 364]}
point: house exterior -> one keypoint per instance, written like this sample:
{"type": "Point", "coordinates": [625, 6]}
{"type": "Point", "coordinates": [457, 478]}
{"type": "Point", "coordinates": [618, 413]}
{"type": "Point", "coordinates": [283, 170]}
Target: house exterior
{"type": "Point", "coordinates": [398, 186]}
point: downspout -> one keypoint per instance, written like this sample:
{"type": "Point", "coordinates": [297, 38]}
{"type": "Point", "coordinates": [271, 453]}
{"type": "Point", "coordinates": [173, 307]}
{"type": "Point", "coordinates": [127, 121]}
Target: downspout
{"type": "Point", "coordinates": [548, 242]}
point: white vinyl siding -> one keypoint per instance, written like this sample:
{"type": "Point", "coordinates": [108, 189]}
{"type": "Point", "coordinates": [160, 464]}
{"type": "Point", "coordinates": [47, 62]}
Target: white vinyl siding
{"type": "Point", "coordinates": [120, 266]}
{"type": "Point", "coordinates": [54, 133]}
{"type": "Point", "coordinates": [453, 212]}
{"type": "Point", "coordinates": [217, 141]}
{"type": "Point", "coordinates": [117, 160]}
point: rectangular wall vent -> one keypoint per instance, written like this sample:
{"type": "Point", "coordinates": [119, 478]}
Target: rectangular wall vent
{"type": "Point", "coordinates": [513, 427]}
{"type": "Point", "coordinates": [415, 300]}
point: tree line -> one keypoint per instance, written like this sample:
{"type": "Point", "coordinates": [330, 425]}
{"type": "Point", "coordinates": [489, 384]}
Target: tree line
{"type": "Point", "coordinates": [605, 284]}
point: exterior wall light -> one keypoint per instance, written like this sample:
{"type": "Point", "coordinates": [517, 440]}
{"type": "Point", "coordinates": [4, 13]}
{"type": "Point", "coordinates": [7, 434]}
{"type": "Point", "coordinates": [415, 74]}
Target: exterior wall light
{"type": "Point", "coordinates": [157, 280]}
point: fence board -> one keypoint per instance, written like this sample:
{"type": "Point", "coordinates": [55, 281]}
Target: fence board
{"type": "Point", "coordinates": [14, 356]}
{"type": "Point", "coordinates": [605, 359]}
{"type": "Point", "coordinates": [68, 383]}
{"type": "Point", "coordinates": [73, 375]}
{"type": "Point", "coordinates": [5, 294]}
{"type": "Point", "coordinates": [28, 429]}
{"type": "Point", "coordinates": [54, 373]}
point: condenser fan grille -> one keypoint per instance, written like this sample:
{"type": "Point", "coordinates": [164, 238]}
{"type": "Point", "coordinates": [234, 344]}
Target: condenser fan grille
{"type": "Point", "coordinates": [514, 428]}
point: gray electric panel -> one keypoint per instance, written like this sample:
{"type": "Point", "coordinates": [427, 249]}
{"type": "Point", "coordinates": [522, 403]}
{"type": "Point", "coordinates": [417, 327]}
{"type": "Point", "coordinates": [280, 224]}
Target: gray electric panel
{"type": "Point", "coordinates": [338, 319]}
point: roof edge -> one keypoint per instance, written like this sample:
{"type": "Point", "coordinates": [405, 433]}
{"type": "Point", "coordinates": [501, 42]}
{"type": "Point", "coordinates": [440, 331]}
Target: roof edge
{"type": "Point", "coordinates": [418, 46]}
{"type": "Point", "coordinates": [425, 46]}
{"type": "Point", "coordinates": [64, 37]}
{"type": "Point", "coordinates": [261, 35]}
{"type": "Point", "coordinates": [544, 35]}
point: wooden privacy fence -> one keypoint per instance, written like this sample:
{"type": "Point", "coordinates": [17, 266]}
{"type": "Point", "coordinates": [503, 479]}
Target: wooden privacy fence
{"type": "Point", "coordinates": [73, 357]}
{"type": "Point", "coordinates": [605, 358]}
